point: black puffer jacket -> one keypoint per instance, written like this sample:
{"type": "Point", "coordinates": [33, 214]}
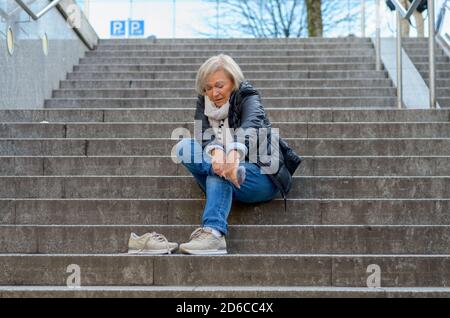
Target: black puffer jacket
{"type": "Point", "coordinates": [246, 111]}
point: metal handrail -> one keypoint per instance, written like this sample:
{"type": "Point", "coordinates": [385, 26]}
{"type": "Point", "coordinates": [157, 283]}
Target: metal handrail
{"type": "Point", "coordinates": [378, 35]}
{"type": "Point", "coordinates": [40, 14]}
{"type": "Point", "coordinates": [6, 15]}
{"type": "Point", "coordinates": [445, 38]}
{"type": "Point", "coordinates": [402, 13]}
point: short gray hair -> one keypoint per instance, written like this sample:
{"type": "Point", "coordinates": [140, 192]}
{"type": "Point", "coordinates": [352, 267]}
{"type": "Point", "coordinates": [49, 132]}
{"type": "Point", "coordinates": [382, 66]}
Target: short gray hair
{"type": "Point", "coordinates": [219, 62]}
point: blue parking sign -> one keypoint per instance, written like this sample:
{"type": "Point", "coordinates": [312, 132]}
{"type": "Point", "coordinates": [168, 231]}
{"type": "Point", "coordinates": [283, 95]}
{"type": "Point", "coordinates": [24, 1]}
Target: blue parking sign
{"type": "Point", "coordinates": [136, 27]}
{"type": "Point", "coordinates": [118, 28]}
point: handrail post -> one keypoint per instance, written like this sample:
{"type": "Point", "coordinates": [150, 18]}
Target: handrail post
{"type": "Point", "coordinates": [431, 47]}
{"type": "Point", "coordinates": [174, 19]}
{"type": "Point", "coordinates": [378, 35]}
{"type": "Point", "coordinates": [403, 13]}
{"type": "Point", "coordinates": [399, 62]}
{"type": "Point", "coordinates": [363, 18]}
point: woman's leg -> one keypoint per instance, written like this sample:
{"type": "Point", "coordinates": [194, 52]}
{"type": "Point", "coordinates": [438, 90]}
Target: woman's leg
{"type": "Point", "coordinates": [219, 192]}
{"type": "Point", "coordinates": [219, 197]}
{"type": "Point", "coordinates": [257, 187]}
{"type": "Point", "coordinates": [190, 153]}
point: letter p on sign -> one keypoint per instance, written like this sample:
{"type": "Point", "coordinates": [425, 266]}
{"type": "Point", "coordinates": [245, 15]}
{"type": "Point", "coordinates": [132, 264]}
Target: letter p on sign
{"type": "Point", "coordinates": [136, 27]}
{"type": "Point", "coordinates": [117, 28]}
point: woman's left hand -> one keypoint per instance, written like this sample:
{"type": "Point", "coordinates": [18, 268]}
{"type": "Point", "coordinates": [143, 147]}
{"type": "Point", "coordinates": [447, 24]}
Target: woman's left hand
{"type": "Point", "coordinates": [231, 166]}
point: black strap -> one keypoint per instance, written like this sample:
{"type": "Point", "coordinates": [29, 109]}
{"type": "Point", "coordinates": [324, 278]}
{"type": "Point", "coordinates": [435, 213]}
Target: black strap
{"type": "Point", "coordinates": [285, 201]}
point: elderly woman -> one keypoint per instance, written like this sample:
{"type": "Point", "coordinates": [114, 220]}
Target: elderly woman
{"type": "Point", "coordinates": [218, 160]}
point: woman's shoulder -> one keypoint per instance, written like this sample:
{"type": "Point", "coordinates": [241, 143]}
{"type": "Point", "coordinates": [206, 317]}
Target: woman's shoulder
{"type": "Point", "coordinates": [201, 100]}
{"type": "Point", "coordinates": [246, 88]}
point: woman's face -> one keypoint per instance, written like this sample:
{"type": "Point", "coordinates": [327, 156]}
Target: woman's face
{"type": "Point", "coordinates": [219, 87]}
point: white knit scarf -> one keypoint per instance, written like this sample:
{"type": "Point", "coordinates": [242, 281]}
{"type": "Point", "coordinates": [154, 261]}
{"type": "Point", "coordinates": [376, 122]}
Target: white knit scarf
{"type": "Point", "coordinates": [216, 117]}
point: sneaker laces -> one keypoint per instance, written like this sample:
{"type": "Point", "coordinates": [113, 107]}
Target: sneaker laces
{"type": "Point", "coordinates": [158, 237]}
{"type": "Point", "coordinates": [199, 233]}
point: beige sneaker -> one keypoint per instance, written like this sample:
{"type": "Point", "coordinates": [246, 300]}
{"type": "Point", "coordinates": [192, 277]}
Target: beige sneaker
{"type": "Point", "coordinates": [150, 243]}
{"type": "Point", "coordinates": [203, 242]}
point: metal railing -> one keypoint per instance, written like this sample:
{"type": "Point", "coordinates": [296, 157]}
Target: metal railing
{"type": "Point", "coordinates": [443, 36]}
{"type": "Point", "coordinates": [402, 13]}
{"type": "Point", "coordinates": [41, 13]}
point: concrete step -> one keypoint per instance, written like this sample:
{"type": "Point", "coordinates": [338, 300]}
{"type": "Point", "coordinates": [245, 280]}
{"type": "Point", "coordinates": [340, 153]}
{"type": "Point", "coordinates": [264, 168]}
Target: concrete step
{"type": "Point", "coordinates": [251, 75]}
{"type": "Point", "coordinates": [163, 147]}
{"type": "Point", "coordinates": [440, 75]}
{"type": "Point", "coordinates": [413, 51]}
{"type": "Point", "coordinates": [422, 53]}
{"type": "Point", "coordinates": [219, 292]}
{"type": "Point", "coordinates": [232, 41]}
{"type": "Point", "coordinates": [444, 102]}
{"type": "Point", "coordinates": [185, 187]}
{"type": "Point", "coordinates": [440, 83]}
{"type": "Point", "coordinates": [191, 93]}
{"type": "Point", "coordinates": [231, 46]}
{"type": "Point", "coordinates": [231, 270]}
{"type": "Point", "coordinates": [375, 102]}
{"type": "Point", "coordinates": [443, 92]}
{"type": "Point", "coordinates": [86, 115]}
{"type": "Point", "coordinates": [166, 130]}
{"type": "Point", "coordinates": [241, 239]}
{"type": "Point", "coordinates": [245, 67]}
{"type": "Point", "coordinates": [260, 84]}
{"type": "Point", "coordinates": [234, 53]}
{"type": "Point", "coordinates": [423, 67]}
{"type": "Point", "coordinates": [295, 115]}
{"type": "Point", "coordinates": [415, 48]}
{"type": "Point", "coordinates": [159, 165]}
{"type": "Point", "coordinates": [188, 211]}
{"type": "Point", "coordinates": [240, 60]}
{"type": "Point", "coordinates": [179, 114]}
{"type": "Point", "coordinates": [425, 58]}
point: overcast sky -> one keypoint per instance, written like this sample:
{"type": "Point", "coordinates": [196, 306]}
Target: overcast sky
{"type": "Point", "coordinates": [191, 16]}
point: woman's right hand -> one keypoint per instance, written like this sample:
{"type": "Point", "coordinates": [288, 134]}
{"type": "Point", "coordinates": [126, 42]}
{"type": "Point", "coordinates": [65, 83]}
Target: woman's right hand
{"type": "Point", "coordinates": [218, 162]}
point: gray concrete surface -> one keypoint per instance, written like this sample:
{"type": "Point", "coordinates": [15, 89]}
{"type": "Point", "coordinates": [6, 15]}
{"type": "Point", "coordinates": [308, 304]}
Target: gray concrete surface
{"type": "Point", "coordinates": [29, 76]}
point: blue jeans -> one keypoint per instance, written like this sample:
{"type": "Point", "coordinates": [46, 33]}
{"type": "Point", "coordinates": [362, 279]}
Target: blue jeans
{"type": "Point", "coordinates": [220, 192]}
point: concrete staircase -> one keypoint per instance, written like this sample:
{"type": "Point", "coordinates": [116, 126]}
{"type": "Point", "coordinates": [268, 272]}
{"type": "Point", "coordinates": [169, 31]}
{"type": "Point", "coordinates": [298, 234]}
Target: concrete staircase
{"type": "Point", "coordinates": [374, 188]}
{"type": "Point", "coordinates": [333, 65]}
{"type": "Point", "coordinates": [417, 50]}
